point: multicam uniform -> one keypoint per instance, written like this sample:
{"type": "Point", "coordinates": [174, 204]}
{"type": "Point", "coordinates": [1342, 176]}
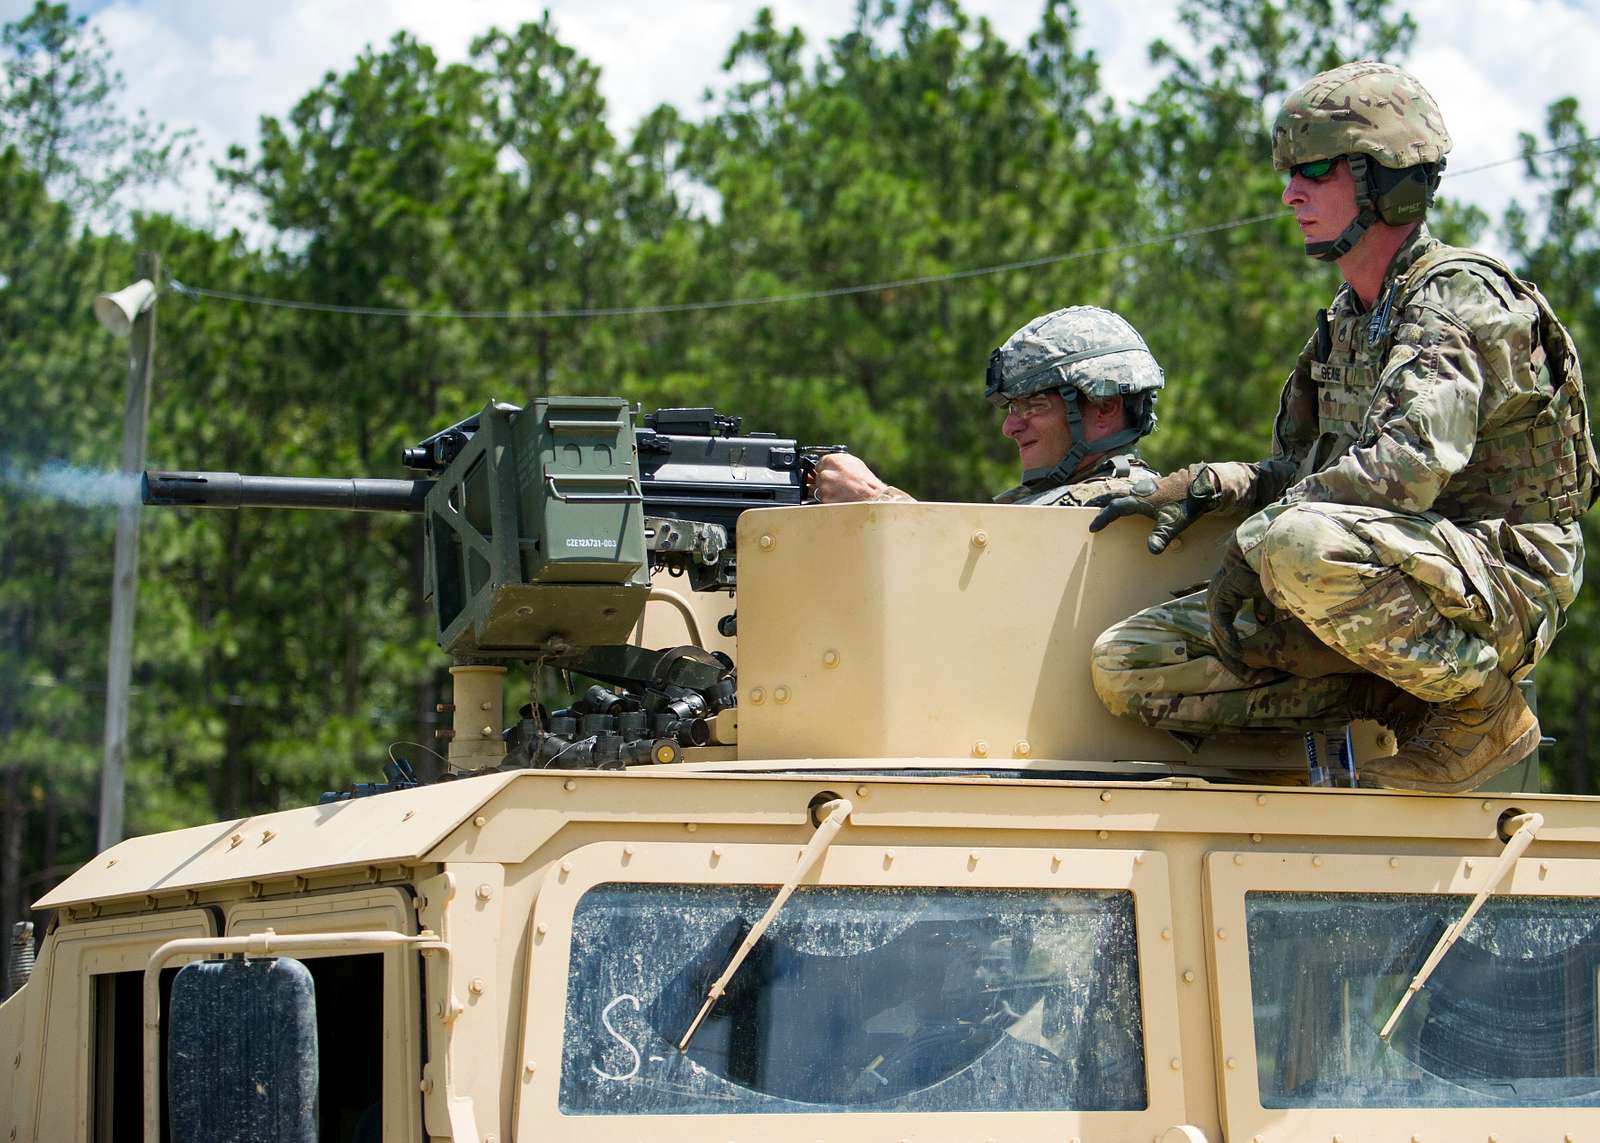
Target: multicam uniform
{"type": "Point", "coordinates": [1419, 512]}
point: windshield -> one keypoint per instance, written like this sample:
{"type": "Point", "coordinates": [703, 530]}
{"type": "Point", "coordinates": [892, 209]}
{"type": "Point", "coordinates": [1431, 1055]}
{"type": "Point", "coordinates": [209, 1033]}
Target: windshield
{"type": "Point", "coordinates": [1507, 1019]}
{"type": "Point", "coordinates": [880, 999]}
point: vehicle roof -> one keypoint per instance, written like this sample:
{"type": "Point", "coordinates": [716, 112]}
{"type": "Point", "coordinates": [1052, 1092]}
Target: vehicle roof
{"type": "Point", "coordinates": [517, 813]}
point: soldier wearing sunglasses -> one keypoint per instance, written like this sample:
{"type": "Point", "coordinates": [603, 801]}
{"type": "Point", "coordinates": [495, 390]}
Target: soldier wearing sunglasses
{"type": "Point", "coordinates": [1076, 390]}
{"type": "Point", "coordinates": [1409, 549]}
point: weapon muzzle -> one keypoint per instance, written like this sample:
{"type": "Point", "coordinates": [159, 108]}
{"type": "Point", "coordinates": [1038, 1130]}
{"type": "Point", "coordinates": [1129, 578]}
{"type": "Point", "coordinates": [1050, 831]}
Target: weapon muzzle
{"type": "Point", "coordinates": [234, 490]}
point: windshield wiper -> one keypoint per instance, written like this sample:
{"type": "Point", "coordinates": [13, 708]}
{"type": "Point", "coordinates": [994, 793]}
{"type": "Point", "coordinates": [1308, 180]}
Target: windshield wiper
{"type": "Point", "coordinates": [1527, 826]}
{"type": "Point", "coordinates": [838, 811]}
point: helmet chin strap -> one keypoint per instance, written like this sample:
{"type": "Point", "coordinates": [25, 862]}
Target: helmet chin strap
{"type": "Point", "coordinates": [1366, 215]}
{"type": "Point", "coordinates": [1064, 470]}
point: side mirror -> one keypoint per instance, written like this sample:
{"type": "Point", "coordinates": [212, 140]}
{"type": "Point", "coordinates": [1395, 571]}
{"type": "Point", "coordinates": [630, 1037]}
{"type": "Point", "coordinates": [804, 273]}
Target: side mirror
{"type": "Point", "coordinates": [242, 1052]}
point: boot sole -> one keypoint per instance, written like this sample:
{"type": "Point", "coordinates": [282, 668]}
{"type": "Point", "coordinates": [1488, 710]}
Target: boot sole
{"type": "Point", "coordinates": [1522, 746]}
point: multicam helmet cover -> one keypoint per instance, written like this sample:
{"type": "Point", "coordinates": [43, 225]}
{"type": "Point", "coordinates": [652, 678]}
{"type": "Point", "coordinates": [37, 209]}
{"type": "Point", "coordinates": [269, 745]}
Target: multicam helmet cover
{"type": "Point", "coordinates": [1079, 350]}
{"type": "Point", "coordinates": [1365, 108]}
{"type": "Point", "coordinates": [1382, 122]}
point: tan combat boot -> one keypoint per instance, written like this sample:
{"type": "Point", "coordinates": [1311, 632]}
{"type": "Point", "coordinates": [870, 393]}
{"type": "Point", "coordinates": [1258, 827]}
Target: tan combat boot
{"type": "Point", "coordinates": [1462, 744]}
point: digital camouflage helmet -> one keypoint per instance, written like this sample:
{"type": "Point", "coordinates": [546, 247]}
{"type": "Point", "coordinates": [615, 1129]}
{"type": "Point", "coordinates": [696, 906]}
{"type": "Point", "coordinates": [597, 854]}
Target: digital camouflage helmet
{"type": "Point", "coordinates": [1385, 124]}
{"type": "Point", "coordinates": [1080, 350]}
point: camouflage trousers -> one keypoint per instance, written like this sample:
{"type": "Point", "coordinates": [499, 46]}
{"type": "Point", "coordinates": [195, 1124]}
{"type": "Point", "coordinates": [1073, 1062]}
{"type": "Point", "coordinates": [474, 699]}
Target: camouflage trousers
{"type": "Point", "coordinates": [1412, 598]}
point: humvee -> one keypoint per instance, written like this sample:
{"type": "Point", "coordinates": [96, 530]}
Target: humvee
{"type": "Point", "coordinates": [887, 869]}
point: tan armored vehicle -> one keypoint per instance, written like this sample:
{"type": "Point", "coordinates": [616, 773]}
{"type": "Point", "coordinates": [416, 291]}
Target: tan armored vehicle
{"type": "Point", "coordinates": [899, 877]}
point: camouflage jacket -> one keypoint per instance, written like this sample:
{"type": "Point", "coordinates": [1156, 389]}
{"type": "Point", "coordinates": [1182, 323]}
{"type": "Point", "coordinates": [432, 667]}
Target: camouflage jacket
{"type": "Point", "coordinates": [1389, 408]}
{"type": "Point", "coordinates": [1114, 474]}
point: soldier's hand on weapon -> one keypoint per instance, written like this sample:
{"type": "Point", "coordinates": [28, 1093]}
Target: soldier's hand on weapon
{"type": "Point", "coordinates": [843, 479]}
{"type": "Point", "coordinates": [1234, 587]}
{"type": "Point", "coordinates": [1173, 501]}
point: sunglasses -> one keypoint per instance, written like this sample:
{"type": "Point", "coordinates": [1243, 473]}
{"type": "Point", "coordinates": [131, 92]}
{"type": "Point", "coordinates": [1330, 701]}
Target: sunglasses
{"type": "Point", "coordinates": [1316, 170]}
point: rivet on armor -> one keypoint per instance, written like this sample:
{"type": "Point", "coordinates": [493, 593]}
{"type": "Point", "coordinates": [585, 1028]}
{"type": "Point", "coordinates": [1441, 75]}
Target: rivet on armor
{"type": "Point", "coordinates": [1544, 868]}
{"type": "Point", "coordinates": [1222, 934]}
{"type": "Point", "coordinates": [1055, 861]}
{"type": "Point", "coordinates": [1188, 976]}
{"type": "Point", "coordinates": [1177, 1064]}
{"type": "Point", "coordinates": [1103, 835]}
{"type": "Point", "coordinates": [980, 539]}
{"type": "Point", "coordinates": [1316, 863]}
{"type": "Point", "coordinates": [861, 791]}
{"type": "Point", "coordinates": [757, 696]}
{"type": "Point", "coordinates": [1394, 863]}
{"type": "Point", "coordinates": [1261, 799]}
{"type": "Point", "coordinates": [1105, 795]}
{"type": "Point", "coordinates": [888, 858]}
{"type": "Point", "coordinates": [1023, 748]}
{"type": "Point", "coordinates": [485, 892]}
{"type": "Point", "coordinates": [1238, 859]}
{"type": "Point", "coordinates": [541, 928]}
{"type": "Point", "coordinates": [477, 986]}
{"type": "Point", "coordinates": [716, 853]}
{"type": "Point", "coordinates": [1233, 1064]}
{"type": "Point", "coordinates": [780, 694]}
{"type": "Point", "coordinates": [529, 1068]}
{"type": "Point", "coordinates": [691, 826]}
{"type": "Point", "coordinates": [566, 868]}
{"type": "Point", "coordinates": [569, 785]}
{"type": "Point", "coordinates": [981, 748]}
{"type": "Point", "coordinates": [1166, 934]}
{"type": "Point", "coordinates": [1256, 837]}
{"type": "Point", "coordinates": [830, 658]}
{"type": "Point", "coordinates": [627, 852]}
{"type": "Point", "coordinates": [480, 821]}
{"type": "Point", "coordinates": [1467, 868]}
{"type": "Point", "coordinates": [767, 543]}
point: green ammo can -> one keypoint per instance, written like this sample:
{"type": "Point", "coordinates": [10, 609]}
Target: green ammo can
{"type": "Point", "coordinates": [535, 532]}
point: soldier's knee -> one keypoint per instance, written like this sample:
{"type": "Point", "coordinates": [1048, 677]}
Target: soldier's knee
{"type": "Point", "coordinates": [1308, 547]}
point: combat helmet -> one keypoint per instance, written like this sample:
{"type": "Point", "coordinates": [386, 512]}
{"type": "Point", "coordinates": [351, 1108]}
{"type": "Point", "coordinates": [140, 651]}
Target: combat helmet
{"type": "Point", "coordinates": [1079, 350]}
{"type": "Point", "coordinates": [1385, 124]}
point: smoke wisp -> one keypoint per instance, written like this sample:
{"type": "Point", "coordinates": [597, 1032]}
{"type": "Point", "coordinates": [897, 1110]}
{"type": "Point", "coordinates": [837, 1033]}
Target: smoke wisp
{"type": "Point", "coordinates": [70, 484]}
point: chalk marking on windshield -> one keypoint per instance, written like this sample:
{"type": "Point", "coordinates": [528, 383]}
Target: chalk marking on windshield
{"type": "Point", "coordinates": [605, 1019]}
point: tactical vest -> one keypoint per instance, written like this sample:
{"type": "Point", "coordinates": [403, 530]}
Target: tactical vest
{"type": "Point", "coordinates": [1537, 465]}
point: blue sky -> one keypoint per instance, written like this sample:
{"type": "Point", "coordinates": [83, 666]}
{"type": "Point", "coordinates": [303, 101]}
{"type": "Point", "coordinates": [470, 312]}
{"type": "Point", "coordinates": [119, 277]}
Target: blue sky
{"type": "Point", "coordinates": [217, 66]}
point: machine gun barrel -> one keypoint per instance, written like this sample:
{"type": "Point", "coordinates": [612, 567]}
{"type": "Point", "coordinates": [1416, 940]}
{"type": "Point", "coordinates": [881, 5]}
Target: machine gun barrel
{"type": "Point", "coordinates": [235, 490]}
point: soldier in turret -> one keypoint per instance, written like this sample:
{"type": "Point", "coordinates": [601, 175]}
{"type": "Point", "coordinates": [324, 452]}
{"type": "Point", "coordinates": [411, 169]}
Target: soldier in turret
{"type": "Point", "coordinates": [1411, 547]}
{"type": "Point", "coordinates": [1078, 389]}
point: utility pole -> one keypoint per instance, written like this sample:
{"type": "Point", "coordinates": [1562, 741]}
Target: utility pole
{"type": "Point", "coordinates": [125, 574]}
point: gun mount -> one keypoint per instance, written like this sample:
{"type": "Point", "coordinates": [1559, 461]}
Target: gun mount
{"type": "Point", "coordinates": [542, 525]}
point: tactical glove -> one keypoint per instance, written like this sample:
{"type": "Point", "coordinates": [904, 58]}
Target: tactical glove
{"type": "Point", "coordinates": [1174, 502]}
{"type": "Point", "coordinates": [1234, 587]}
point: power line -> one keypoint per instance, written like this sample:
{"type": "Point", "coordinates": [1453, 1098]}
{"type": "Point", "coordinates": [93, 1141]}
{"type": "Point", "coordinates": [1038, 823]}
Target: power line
{"type": "Point", "coordinates": [198, 292]}
{"type": "Point", "coordinates": [727, 303]}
